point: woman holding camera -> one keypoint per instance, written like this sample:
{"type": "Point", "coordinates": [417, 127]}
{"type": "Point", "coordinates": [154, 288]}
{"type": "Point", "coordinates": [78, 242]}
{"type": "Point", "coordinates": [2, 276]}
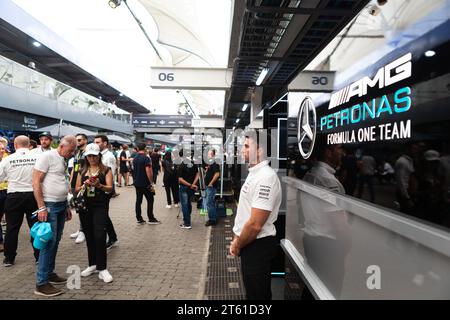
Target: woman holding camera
{"type": "Point", "coordinates": [96, 180]}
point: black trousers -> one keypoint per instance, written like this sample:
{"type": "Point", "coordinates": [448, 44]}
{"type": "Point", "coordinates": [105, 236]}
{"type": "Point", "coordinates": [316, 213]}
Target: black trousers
{"type": "Point", "coordinates": [140, 193]}
{"type": "Point", "coordinates": [2, 211]}
{"type": "Point", "coordinates": [17, 204]}
{"type": "Point", "coordinates": [172, 185]}
{"type": "Point", "coordinates": [94, 223]}
{"type": "Point", "coordinates": [256, 260]}
{"type": "Point", "coordinates": [110, 231]}
{"type": "Point", "coordinates": [363, 180]}
{"type": "Point", "coordinates": [155, 174]}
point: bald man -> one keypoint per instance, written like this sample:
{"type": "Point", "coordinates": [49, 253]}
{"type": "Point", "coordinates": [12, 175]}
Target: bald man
{"type": "Point", "coordinates": [51, 186]}
{"type": "Point", "coordinates": [17, 169]}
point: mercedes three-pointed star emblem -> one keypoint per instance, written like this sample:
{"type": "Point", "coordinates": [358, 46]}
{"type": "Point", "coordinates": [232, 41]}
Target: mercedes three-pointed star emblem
{"type": "Point", "coordinates": [306, 127]}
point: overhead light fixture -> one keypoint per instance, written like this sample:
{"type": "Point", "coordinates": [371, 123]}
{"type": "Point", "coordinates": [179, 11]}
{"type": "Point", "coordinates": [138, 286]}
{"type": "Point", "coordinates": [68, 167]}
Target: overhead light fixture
{"type": "Point", "coordinates": [121, 94]}
{"type": "Point", "coordinates": [237, 120]}
{"type": "Point", "coordinates": [114, 3]}
{"type": "Point", "coordinates": [430, 53]}
{"type": "Point", "coordinates": [233, 128]}
{"type": "Point", "coordinates": [244, 108]}
{"type": "Point", "coordinates": [262, 75]}
{"type": "Point", "coordinates": [100, 97]}
{"type": "Point", "coordinates": [36, 44]}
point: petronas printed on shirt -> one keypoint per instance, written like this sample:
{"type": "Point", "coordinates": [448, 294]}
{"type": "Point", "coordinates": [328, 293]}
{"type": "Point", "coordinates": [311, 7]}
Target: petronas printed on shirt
{"type": "Point", "coordinates": [264, 192]}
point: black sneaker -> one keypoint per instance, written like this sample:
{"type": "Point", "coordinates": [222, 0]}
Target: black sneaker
{"type": "Point", "coordinates": [47, 290]}
{"type": "Point", "coordinates": [182, 226]}
{"type": "Point", "coordinates": [7, 262]}
{"type": "Point", "coordinates": [112, 244]}
{"type": "Point", "coordinates": [142, 222]}
{"type": "Point", "coordinates": [53, 278]}
{"type": "Point", "coordinates": [154, 221]}
{"type": "Point", "coordinates": [210, 223]}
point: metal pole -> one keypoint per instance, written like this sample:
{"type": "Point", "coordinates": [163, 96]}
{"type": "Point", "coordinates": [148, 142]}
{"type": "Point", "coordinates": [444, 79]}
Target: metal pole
{"type": "Point", "coordinates": [221, 176]}
{"type": "Point", "coordinates": [143, 30]}
{"type": "Point", "coordinates": [59, 128]}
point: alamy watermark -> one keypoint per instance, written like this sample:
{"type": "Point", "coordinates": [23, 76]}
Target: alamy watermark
{"type": "Point", "coordinates": [194, 148]}
{"type": "Point", "coordinates": [74, 279]}
{"type": "Point", "coordinates": [374, 280]}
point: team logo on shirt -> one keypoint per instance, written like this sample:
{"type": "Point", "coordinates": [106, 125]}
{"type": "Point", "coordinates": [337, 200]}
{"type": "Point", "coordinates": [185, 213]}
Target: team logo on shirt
{"type": "Point", "coordinates": [264, 192]}
{"type": "Point", "coordinates": [306, 127]}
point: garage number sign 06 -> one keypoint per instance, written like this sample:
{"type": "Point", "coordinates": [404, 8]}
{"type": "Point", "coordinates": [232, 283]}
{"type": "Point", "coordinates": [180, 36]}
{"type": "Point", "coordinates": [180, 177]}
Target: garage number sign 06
{"type": "Point", "coordinates": [163, 76]}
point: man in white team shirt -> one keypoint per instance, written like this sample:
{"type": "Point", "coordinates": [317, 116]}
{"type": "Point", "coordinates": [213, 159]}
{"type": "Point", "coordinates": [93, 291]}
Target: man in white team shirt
{"type": "Point", "coordinates": [327, 238]}
{"type": "Point", "coordinates": [17, 170]}
{"type": "Point", "coordinates": [45, 140]}
{"type": "Point", "coordinates": [51, 186]}
{"type": "Point", "coordinates": [254, 228]}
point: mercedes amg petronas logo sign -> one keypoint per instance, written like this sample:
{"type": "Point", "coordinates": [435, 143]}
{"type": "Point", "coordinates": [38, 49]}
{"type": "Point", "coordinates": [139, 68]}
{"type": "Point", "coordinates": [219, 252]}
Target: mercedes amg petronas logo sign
{"type": "Point", "coordinates": [306, 127]}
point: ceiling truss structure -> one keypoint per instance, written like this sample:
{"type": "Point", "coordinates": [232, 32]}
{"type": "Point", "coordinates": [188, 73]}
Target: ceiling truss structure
{"type": "Point", "coordinates": [17, 46]}
{"type": "Point", "coordinates": [283, 36]}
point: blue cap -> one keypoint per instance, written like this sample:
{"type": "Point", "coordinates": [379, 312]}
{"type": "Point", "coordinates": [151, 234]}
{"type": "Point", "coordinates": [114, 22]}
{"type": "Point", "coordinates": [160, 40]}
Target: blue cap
{"type": "Point", "coordinates": [43, 235]}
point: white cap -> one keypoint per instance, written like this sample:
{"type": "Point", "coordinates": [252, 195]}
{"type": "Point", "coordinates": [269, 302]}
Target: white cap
{"type": "Point", "coordinates": [431, 155]}
{"type": "Point", "coordinates": [92, 149]}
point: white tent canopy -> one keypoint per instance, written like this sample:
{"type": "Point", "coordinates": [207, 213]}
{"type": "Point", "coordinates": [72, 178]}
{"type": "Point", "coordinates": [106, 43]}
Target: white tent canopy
{"type": "Point", "coordinates": [64, 130]}
{"type": "Point", "coordinates": [118, 139]}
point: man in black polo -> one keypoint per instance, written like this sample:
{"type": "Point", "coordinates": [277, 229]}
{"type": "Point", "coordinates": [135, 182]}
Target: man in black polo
{"type": "Point", "coordinates": [142, 178]}
{"type": "Point", "coordinates": [187, 177]}
{"type": "Point", "coordinates": [211, 184]}
{"type": "Point", "coordinates": [78, 163]}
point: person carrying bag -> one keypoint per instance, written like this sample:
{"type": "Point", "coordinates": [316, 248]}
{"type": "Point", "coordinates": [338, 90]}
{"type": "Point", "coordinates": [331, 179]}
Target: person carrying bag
{"type": "Point", "coordinates": [94, 184]}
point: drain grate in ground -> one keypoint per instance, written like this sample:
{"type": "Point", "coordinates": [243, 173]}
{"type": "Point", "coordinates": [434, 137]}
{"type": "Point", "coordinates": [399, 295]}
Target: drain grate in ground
{"type": "Point", "coordinates": [220, 269]}
{"type": "Point", "coordinates": [223, 278]}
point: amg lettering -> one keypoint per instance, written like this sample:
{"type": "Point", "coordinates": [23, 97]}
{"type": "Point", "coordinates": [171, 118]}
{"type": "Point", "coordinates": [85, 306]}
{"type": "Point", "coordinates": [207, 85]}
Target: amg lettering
{"type": "Point", "coordinates": [391, 73]}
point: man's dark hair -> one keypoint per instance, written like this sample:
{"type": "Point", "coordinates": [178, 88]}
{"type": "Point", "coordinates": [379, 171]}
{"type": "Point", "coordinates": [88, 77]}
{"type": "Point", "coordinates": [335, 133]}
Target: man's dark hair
{"type": "Point", "coordinates": [321, 146]}
{"type": "Point", "coordinates": [33, 144]}
{"type": "Point", "coordinates": [261, 144]}
{"type": "Point", "coordinates": [168, 156]}
{"type": "Point", "coordinates": [141, 146]}
{"type": "Point", "coordinates": [82, 134]}
{"type": "Point", "coordinates": [103, 137]}
{"type": "Point", "coordinates": [156, 150]}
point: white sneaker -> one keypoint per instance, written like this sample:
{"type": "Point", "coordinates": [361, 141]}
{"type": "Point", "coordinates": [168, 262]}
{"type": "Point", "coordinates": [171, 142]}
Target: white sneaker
{"type": "Point", "coordinates": [105, 276]}
{"type": "Point", "coordinates": [88, 271]}
{"type": "Point", "coordinates": [80, 238]}
{"type": "Point", "coordinates": [176, 205]}
{"type": "Point", "coordinates": [168, 206]}
{"type": "Point", "coordinates": [74, 235]}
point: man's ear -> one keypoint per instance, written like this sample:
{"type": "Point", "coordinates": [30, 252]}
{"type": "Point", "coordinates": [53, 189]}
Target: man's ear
{"type": "Point", "coordinates": [260, 152]}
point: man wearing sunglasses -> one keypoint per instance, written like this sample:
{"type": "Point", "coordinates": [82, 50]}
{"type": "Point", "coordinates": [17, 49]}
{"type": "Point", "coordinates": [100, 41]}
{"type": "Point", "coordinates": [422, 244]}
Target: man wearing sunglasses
{"type": "Point", "coordinates": [78, 163]}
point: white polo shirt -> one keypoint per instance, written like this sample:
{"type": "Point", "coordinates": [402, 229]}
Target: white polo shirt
{"type": "Point", "coordinates": [109, 160]}
{"type": "Point", "coordinates": [322, 217]}
{"type": "Point", "coordinates": [261, 190]}
{"type": "Point", "coordinates": [17, 169]}
{"type": "Point", "coordinates": [55, 185]}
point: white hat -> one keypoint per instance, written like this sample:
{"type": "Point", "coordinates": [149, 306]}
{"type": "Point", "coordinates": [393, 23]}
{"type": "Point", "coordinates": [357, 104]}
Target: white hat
{"type": "Point", "coordinates": [431, 155]}
{"type": "Point", "coordinates": [92, 149]}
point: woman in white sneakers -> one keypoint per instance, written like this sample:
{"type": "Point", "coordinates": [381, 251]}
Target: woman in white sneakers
{"type": "Point", "coordinates": [97, 180]}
